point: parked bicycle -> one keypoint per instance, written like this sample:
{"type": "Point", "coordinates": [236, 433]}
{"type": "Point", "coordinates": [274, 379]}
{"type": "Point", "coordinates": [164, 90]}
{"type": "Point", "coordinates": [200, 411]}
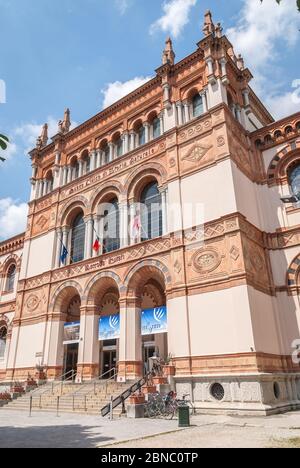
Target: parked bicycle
{"type": "Point", "coordinates": [166, 407]}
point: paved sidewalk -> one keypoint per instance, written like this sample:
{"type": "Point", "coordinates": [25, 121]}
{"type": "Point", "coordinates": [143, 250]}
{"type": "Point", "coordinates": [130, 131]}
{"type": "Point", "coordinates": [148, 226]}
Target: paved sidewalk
{"type": "Point", "coordinates": [45, 430]}
{"type": "Point", "coordinates": [80, 431]}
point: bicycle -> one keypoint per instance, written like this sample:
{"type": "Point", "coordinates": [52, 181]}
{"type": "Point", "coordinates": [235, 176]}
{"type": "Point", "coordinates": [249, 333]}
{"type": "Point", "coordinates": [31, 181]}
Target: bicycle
{"type": "Point", "coordinates": [158, 407]}
{"type": "Point", "coordinates": [176, 403]}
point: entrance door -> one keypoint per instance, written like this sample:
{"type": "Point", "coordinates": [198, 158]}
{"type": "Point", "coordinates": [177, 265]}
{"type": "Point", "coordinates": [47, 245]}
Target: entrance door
{"type": "Point", "coordinates": [71, 358]}
{"type": "Point", "coordinates": [149, 350]}
{"type": "Point", "coordinates": [109, 362]}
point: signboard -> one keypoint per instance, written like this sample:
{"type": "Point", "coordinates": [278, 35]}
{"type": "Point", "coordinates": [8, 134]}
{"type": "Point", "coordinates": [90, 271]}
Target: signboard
{"type": "Point", "coordinates": [109, 327]}
{"type": "Point", "coordinates": [154, 321]}
{"type": "Point", "coordinates": [71, 333]}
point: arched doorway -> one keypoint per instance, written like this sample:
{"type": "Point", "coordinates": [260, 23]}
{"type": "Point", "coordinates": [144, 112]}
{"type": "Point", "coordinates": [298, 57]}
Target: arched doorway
{"type": "Point", "coordinates": [71, 335]}
{"type": "Point", "coordinates": [153, 308]}
{"type": "Point", "coordinates": [146, 318]}
{"type": "Point", "coordinates": [103, 298]}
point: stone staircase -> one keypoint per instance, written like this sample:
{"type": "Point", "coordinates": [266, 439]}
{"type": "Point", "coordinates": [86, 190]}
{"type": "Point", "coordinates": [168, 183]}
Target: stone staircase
{"type": "Point", "coordinates": [88, 398]}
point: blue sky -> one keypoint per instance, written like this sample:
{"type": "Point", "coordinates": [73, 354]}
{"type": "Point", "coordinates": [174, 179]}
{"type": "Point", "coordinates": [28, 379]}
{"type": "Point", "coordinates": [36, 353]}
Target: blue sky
{"type": "Point", "coordinates": [84, 53]}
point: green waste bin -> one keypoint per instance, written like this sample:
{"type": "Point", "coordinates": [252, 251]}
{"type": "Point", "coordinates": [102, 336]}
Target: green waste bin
{"type": "Point", "coordinates": [184, 416]}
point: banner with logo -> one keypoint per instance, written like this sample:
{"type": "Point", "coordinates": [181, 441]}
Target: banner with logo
{"type": "Point", "coordinates": [154, 321]}
{"type": "Point", "coordinates": [71, 333]}
{"type": "Point", "coordinates": [109, 327]}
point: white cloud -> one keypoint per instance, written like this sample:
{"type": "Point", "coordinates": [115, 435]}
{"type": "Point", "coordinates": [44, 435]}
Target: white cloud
{"type": "Point", "coordinates": [262, 32]}
{"type": "Point", "coordinates": [259, 29]}
{"type": "Point", "coordinates": [23, 138]}
{"type": "Point", "coordinates": [117, 90]}
{"type": "Point", "coordinates": [175, 17]}
{"type": "Point", "coordinates": [122, 6]}
{"type": "Point", "coordinates": [13, 217]}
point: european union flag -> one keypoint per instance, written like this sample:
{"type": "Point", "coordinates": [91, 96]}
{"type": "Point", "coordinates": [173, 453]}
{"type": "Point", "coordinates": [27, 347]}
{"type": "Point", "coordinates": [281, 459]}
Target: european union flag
{"type": "Point", "coordinates": [64, 255]}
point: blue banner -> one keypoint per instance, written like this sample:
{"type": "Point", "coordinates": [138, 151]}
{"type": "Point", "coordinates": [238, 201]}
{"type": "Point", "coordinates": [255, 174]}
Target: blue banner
{"type": "Point", "coordinates": [154, 321]}
{"type": "Point", "coordinates": [109, 327]}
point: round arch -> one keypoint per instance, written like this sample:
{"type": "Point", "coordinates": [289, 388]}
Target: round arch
{"type": "Point", "coordinates": [69, 209]}
{"type": "Point", "coordinates": [143, 272]}
{"type": "Point", "coordinates": [137, 181]}
{"type": "Point", "coordinates": [63, 295]}
{"type": "Point", "coordinates": [282, 160]}
{"type": "Point", "coordinates": [112, 189]}
{"type": "Point", "coordinates": [99, 284]}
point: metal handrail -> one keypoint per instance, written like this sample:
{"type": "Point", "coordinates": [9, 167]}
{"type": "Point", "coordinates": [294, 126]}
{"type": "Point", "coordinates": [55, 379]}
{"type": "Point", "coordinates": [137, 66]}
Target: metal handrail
{"type": "Point", "coordinates": [120, 400]}
{"type": "Point", "coordinates": [63, 379]}
{"type": "Point", "coordinates": [59, 382]}
{"type": "Point", "coordinates": [114, 370]}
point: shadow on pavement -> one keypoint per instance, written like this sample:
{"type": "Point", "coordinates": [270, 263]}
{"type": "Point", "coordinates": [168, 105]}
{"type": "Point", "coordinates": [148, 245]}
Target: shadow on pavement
{"type": "Point", "coordinates": [71, 436]}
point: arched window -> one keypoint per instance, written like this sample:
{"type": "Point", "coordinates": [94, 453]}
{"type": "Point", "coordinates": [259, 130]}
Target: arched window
{"type": "Point", "coordinates": [77, 239]}
{"type": "Point", "coordinates": [10, 278]}
{"type": "Point", "coordinates": [142, 135]}
{"type": "Point", "coordinates": [111, 234]}
{"type": "Point", "coordinates": [119, 147]}
{"type": "Point", "coordinates": [87, 165]}
{"type": "Point", "coordinates": [151, 212]}
{"type": "Point", "coordinates": [106, 154]}
{"type": "Point", "coordinates": [294, 179]}
{"type": "Point", "coordinates": [198, 107]}
{"type": "Point", "coordinates": [156, 128]}
{"type": "Point", "coordinates": [76, 170]}
{"type": "Point", "coordinates": [3, 337]}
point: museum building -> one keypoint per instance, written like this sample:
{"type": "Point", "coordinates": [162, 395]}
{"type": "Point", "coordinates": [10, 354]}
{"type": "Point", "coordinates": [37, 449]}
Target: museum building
{"type": "Point", "coordinates": [115, 266]}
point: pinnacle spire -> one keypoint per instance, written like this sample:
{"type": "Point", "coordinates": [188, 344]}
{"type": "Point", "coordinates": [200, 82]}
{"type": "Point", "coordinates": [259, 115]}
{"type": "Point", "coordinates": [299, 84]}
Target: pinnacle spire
{"type": "Point", "coordinates": [209, 27]}
{"type": "Point", "coordinates": [168, 53]}
{"type": "Point", "coordinates": [65, 124]}
{"type": "Point", "coordinates": [43, 138]}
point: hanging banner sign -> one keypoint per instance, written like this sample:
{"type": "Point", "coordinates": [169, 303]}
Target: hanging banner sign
{"type": "Point", "coordinates": [154, 321]}
{"type": "Point", "coordinates": [109, 327]}
{"type": "Point", "coordinates": [71, 333]}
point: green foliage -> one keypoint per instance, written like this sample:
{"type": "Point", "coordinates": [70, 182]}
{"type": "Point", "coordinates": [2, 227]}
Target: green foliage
{"type": "Point", "coordinates": [279, 1]}
{"type": "Point", "coordinates": [3, 142]}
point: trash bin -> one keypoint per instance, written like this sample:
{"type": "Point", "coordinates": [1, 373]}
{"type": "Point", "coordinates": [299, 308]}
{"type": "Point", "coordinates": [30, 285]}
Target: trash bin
{"type": "Point", "coordinates": [184, 416]}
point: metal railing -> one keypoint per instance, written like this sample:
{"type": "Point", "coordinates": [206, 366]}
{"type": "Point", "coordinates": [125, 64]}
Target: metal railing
{"type": "Point", "coordinates": [120, 400]}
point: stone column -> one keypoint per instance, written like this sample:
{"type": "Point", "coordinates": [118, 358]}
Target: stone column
{"type": "Point", "coordinates": [164, 211]}
{"type": "Point", "coordinates": [65, 175]}
{"type": "Point", "coordinates": [96, 232]}
{"type": "Point", "coordinates": [33, 189]}
{"type": "Point", "coordinates": [124, 224]}
{"type": "Point", "coordinates": [125, 143]}
{"type": "Point", "coordinates": [179, 113]}
{"type": "Point", "coordinates": [58, 247]}
{"type": "Point", "coordinates": [132, 141]}
{"type": "Point", "coordinates": [89, 347]}
{"type": "Point", "coordinates": [89, 222]}
{"type": "Point", "coordinates": [93, 157]}
{"type": "Point", "coordinates": [146, 126]}
{"type": "Point", "coordinates": [186, 112]}
{"type": "Point", "coordinates": [69, 176]}
{"type": "Point", "coordinates": [162, 124]}
{"type": "Point", "coordinates": [204, 100]}
{"type": "Point", "coordinates": [98, 159]}
{"type": "Point", "coordinates": [111, 151]}
{"type": "Point", "coordinates": [130, 344]}
{"type": "Point", "coordinates": [131, 220]}
{"type": "Point", "coordinates": [65, 240]}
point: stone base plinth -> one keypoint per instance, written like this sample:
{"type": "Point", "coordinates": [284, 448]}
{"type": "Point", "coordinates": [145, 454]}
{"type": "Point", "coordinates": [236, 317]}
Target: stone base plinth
{"type": "Point", "coordinates": [256, 394]}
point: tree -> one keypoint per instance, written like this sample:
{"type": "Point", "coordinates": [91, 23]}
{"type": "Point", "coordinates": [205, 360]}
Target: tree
{"type": "Point", "coordinates": [3, 144]}
{"type": "Point", "coordinates": [279, 1]}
